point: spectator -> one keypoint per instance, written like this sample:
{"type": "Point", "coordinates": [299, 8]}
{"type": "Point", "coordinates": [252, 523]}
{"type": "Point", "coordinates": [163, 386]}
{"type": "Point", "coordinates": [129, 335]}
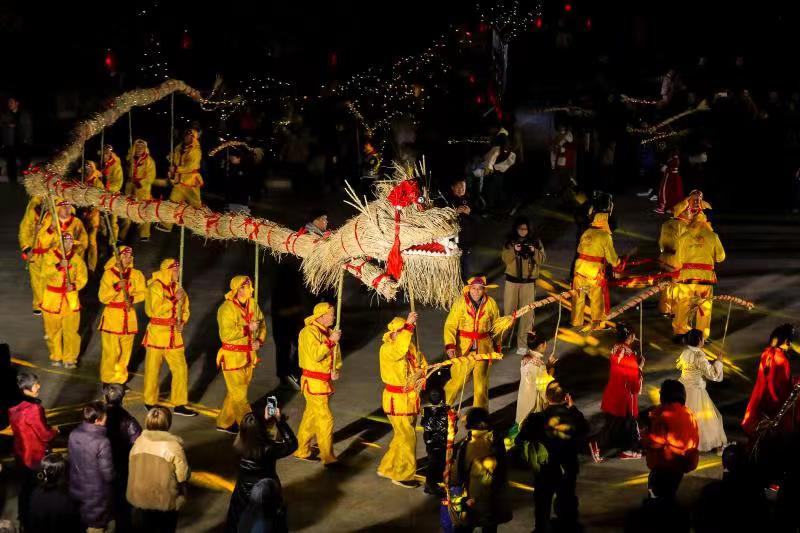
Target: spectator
{"type": "Point", "coordinates": [522, 254]}
{"type": "Point", "coordinates": [480, 468]}
{"type": "Point", "coordinates": [317, 223]}
{"type": "Point", "coordinates": [496, 163]}
{"type": "Point", "coordinates": [434, 433]}
{"type": "Point", "coordinates": [671, 442]}
{"type": "Point", "coordinates": [239, 183]}
{"type": "Point", "coordinates": [16, 137]}
{"type": "Point", "coordinates": [91, 469]}
{"type": "Point", "coordinates": [563, 158]}
{"type": "Point", "coordinates": [535, 373]}
{"type": "Point", "coordinates": [51, 509]}
{"type": "Point", "coordinates": [32, 436]}
{"type": "Point", "coordinates": [658, 514]}
{"type": "Point", "coordinates": [157, 475]}
{"type": "Point", "coordinates": [9, 393]}
{"type": "Point", "coordinates": [458, 199]}
{"type": "Point", "coordinates": [122, 430]}
{"type": "Point", "coordinates": [557, 434]}
{"type": "Point", "coordinates": [265, 511]}
{"type": "Point", "coordinates": [259, 452]}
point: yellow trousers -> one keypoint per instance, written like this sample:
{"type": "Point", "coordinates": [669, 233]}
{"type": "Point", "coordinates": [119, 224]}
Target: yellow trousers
{"type": "Point", "coordinates": [693, 301]}
{"type": "Point", "coordinates": [317, 422]}
{"type": "Point", "coordinates": [63, 340]}
{"type": "Point", "coordinates": [91, 249]}
{"type": "Point", "coordinates": [176, 361]}
{"type": "Point", "coordinates": [37, 282]}
{"type": "Point", "coordinates": [189, 195]}
{"type": "Point", "coordinates": [666, 300]}
{"type": "Point", "coordinates": [116, 355]}
{"type": "Point", "coordinates": [400, 461]}
{"type": "Point", "coordinates": [597, 304]}
{"type": "Point", "coordinates": [460, 373]}
{"type": "Point", "coordinates": [235, 405]}
{"type": "Point", "coordinates": [515, 295]}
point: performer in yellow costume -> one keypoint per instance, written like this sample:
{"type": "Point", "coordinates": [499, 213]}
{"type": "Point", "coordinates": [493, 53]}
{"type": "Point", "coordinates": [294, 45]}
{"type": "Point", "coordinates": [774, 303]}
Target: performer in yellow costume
{"type": "Point", "coordinates": [91, 217]}
{"type": "Point", "coordinates": [113, 177]}
{"type": "Point", "coordinates": [320, 359]}
{"type": "Point", "coordinates": [118, 325]}
{"type": "Point", "coordinates": [468, 330]}
{"type": "Point", "coordinates": [141, 175]}
{"type": "Point", "coordinates": [699, 248]}
{"type": "Point", "coordinates": [167, 305]}
{"type": "Point", "coordinates": [185, 173]}
{"type": "Point", "coordinates": [401, 366]}
{"type": "Point", "coordinates": [242, 331]}
{"type": "Point", "coordinates": [60, 303]}
{"type": "Point", "coordinates": [595, 251]}
{"type": "Point", "coordinates": [33, 249]}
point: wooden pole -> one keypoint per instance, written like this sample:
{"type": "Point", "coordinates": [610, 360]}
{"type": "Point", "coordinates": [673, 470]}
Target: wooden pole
{"type": "Point", "coordinates": [339, 299]}
{"type": "Point", "coordinates": [255, 285]}
{"type": "Point", "coordinates": [130, 130]}
{"type": "Point", "coordinates": [413, 310]}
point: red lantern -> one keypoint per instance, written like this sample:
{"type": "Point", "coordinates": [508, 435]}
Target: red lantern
{"type": "Point", "coordinates": [588, 24]}
{"type": "Point", "coordinates": [110, 62]}
{"type": "Point", "coordinates": [479, 99]}
{"type": "Point", "coordinates": [333, 59]}
{"type": "Point", "coordinates": [471, 79]}
{"type": "Point", "coordinates": [567, 7]}
{"type": "Point", "coordinates": [186, 40]}
{"type": "Point", "coordinates": [483, 27]}
{"type": "Point", "coordinates": [538, 23]}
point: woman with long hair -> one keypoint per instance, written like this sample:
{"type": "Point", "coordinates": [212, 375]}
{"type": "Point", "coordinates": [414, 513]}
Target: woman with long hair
{"type": "Point", "coordinates": [50, 507]}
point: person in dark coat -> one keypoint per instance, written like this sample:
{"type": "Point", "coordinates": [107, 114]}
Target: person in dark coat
{"type": "Point", "coordinates": [434, 433]}
{"type": "Point", "coordinates": [561, 430]}
{"type": "Point", "coordinates": [457, 198]}
{"type": "Point", "coordinates": [9, 393]}
{"type": "Point", "coordinates": [91, 469]}
{"type": "Point", "coordinates": [259, 451]}
{"type": "Point", "coordinates": [32, 436]}
{"type": "Point", "coordinates": [265, 512]}
{"type": "Point", "coordinates": [16, 137]}
{"type": "Point", "coordinates": [122, 430]}
{"type": "Point", "coordinates": [51, 510]}
{"type": "Point", "coordinates": [240, 185]}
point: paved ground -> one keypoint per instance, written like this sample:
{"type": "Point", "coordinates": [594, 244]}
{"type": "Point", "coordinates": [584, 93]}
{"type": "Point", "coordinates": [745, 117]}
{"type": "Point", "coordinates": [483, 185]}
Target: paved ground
{"type": "Point", "coordinates": [353, 498]}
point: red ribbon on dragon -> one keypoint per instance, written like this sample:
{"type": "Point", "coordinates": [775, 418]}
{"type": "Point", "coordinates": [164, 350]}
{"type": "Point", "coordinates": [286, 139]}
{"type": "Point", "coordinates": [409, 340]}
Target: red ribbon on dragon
{"type": "Point", "coordinates": [404, 194]}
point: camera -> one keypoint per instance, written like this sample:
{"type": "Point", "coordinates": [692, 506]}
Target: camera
{"type": "Point", "coordinates": [526, 248]}
{"type": "Point", "coordinates": [272, 406]}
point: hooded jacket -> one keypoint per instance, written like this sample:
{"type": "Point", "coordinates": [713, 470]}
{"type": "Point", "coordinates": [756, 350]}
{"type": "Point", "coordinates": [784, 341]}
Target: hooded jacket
{"type": "Point", "coordinates": [233, 318]}
{"type": "Point", "coordinates": [162, 306]}
{"type": "Point", "coordinates": [157, 468]}
{"type": "Point", "coordinates": [141, 173]}
{"type": "Point", "coordinates": [117, 318]}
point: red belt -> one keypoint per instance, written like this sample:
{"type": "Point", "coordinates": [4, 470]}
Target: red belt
{"type": "Point", "coordinates": [39, 251]}
{"type": "Point", "coordinates": [592, 258]}
{"type": "Point", "coordinates": [237, 347]}
{"type": "Point", "coordinates": [698, 266]}
{"type": "Point", "coordinates": [322, 376]}
{"type": "Point", "coordinates": [117, 305]}
{"type": "Point", "coordinates": [474, 335]}
{"type": "Point", "coordinates": [163, 321]}
{"type": "Point", "coordinates": [59, 290]}
{"type": "Point", "coordinates": [397, 389]}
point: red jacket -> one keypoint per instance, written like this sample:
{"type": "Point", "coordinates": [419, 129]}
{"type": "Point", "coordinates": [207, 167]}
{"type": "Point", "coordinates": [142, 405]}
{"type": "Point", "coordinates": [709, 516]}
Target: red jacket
{"type": "Point", "coordinates": [773, 386]}
{"type": "Point", "coordinates": [621, 397]}
{"type": "Point", "coordinates": [672, 440]}
{"type": "Point", "coordinates": [31, 432]}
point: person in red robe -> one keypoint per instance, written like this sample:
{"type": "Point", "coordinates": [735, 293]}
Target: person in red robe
{"type": "Point", "coordinates": [670, 191]}
{"type": "Point", "coordinates": [774, 380]}
{"type": "Point", "coordinates": [621, 397]}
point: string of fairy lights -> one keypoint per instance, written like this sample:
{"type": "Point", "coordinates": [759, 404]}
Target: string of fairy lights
{"type": "Point", "coordinates": [510, 18]}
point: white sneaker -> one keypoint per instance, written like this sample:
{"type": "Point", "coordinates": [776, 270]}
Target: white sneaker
{"type": "Point", "coordinates": [645, 194]}
{"type": "Point", "coordinates": [522, 351]}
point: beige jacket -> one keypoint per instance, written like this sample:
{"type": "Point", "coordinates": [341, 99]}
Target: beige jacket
{"type": "Point", "coordinates": [156, 469]}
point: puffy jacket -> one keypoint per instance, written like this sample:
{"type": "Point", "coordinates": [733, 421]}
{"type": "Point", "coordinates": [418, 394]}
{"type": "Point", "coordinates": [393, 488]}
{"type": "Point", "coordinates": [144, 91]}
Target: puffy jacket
{"type": "Point", "coordinates": [251, 471]}
{"type": "Point", "coordinates": [434, 427]}
{"type": "Point", "coordinates": [122, 430]}
{"type": "Point", "coordinates": [91, 472]}
{"type": "Point", "coordinates": [32, 435]}
{"type": "Point", "coordinates": [672, 440]}
{"type": "Point", "coordinates": [157, 468]}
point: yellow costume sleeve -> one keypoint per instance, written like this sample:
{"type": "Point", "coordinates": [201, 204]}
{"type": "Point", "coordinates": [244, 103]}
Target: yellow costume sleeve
{"type": "Point", "coordinates": [400, 346]}
{"type": "Point", "coordinates": [79, 271]}
{"type": "Point", "coordinates": [188, 162]}
{"type": "Point", "coordinates": [313, 346]}
{"type": "Point", "coordinates": [261, 334]}
{"type": "Point", "coordinates": [610, 253]}
{"type": "Point", "coordinates": [156, 303]}
{"type": "Point", "coordinates": [231, 331]}
{"type": "Point", "coordinates": [719, 251]}
{"type": "Point", "coordinates": [138, 286]}
{"type": "Point", "coordinates": [451, 324]}
{"type": "Point", "coordinates": [80, 238]}
{"type": "Point", "coordinates": [27, 228]}
{"type": "Point", "coordinates": [107, 293]}
{"type": "Point", "coordinates": [149, 173]}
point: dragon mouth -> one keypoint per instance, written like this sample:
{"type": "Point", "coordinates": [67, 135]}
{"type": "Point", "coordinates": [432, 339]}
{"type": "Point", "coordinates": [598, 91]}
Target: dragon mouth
{"type": "Point", "coordinates": [446, 246]}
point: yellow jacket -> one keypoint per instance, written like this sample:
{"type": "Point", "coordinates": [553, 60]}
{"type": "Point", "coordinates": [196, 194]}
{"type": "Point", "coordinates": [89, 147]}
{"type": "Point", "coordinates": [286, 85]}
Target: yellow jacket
{"type": "Point", "coordinates": [27, 228]}
{"type": "Point", "coordinates": [698, 249]}
{"type": "Point", "coordinates": [467, 329]}
{"type": "Point", "coordinates": [237, 339]}
{"type": "Point", "coordinates": [186, 166]}
{"type": "Point", "coordinates": [48, 236]}
{"type": "Point", "coordinates": [399, 362]}
{"type": "Point", "coordinates": [671, 230]}
{"type": "Point", "coordinates": [141, 174]}
{"type": "Point", "coordinates": [112, 171]}
{"type": "Point", "coordinates": [95, 177]}
{"type": "Point", "coordinates": [595, 250]}
{"type": "Point", "coordinates": [117, 318]}
{"type": "Point", "coordinates": [161, 305]}
{"type": "Point", "coordinates": [318, 357]}
{"type": "Point", "coordinates": [55, 295]}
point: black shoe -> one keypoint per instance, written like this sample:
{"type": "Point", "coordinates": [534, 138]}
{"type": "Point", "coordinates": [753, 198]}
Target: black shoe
{"type": "Point", "coordinates": [144, 239]}
{"type": "Point", "coordinates": [182, 410]}
{"type": "Point", "coordinates": [159, 227]}
{"type": "Point", "coordinates": [232, 430]}
{"type": "Point", "coordinates": [37, 312]}
{"type": "Point", "coordinates": [412, 484]}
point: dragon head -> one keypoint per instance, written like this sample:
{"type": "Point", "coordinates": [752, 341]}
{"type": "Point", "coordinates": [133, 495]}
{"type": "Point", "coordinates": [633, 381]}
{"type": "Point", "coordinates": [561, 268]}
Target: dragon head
{"type": "Point", "coordinates": [399, 232]}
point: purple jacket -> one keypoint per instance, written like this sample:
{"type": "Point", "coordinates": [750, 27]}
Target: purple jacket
{"type": "Point", "coordinates": [91, 471]}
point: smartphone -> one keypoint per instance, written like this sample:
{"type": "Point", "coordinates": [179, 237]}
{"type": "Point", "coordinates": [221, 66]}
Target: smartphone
{"type": "Point", "coordinates": [272, 406]}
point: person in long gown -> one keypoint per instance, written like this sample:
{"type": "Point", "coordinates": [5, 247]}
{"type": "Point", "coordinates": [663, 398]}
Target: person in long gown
{"type": "Point", "coordinates": [534, 376]}
{"type": "Point", "coordinates": [696, 369]}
